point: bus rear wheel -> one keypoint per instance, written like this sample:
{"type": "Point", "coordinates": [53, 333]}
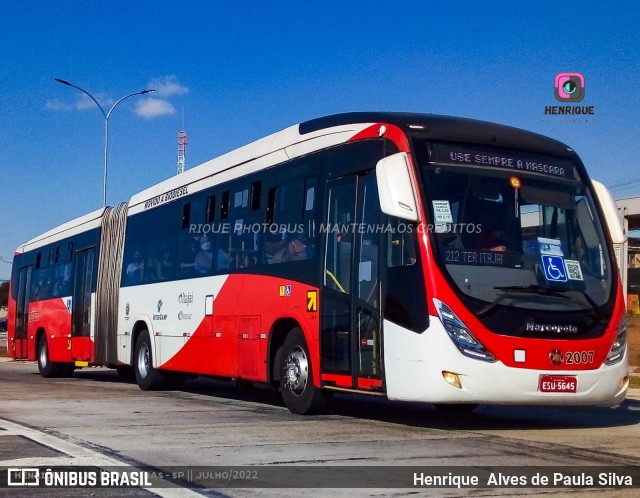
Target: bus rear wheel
{"type": "Point", "coordinates": [45, 366]}
{"type": "Point", "coordinates": [148, 378]}
{"type": "Point", "coordinates": [48, 368]}
{"type": "Point", "coordinates": [296, 377]}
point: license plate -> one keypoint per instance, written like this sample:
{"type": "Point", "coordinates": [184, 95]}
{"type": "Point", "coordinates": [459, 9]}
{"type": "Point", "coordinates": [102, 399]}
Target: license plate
{"type": "Point", "coordinates": [558, 384]}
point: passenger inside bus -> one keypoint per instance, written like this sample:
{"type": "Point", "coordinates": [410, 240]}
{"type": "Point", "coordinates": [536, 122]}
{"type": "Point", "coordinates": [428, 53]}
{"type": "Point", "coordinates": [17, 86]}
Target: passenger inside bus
{"type": "Point", "coordinates": [223, 260]}
{"type": "Point", "coordinates": [165, 268]}
{"type": "Point", "coordinates": [275, 248]}
{"type": "Point", "coordinates": [204, 258]}
{"type": "Point", "coordinates": [280, 249]}
{"type": "Point", "coordinates": [497, 240]}
{"type": "Point", "coordinates": [296, 250]}
{"type": "Point", "coordinates": [135, 269]}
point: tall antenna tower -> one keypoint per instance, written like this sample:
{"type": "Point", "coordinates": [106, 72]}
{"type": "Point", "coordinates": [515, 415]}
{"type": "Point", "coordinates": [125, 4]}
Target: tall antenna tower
{"type": "Point", "coordinates": [182, 150]}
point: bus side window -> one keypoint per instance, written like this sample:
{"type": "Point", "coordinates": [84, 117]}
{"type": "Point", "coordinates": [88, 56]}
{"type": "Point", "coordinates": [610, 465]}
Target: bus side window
{"type": "Point", "coordinates": [187, 254]}
{"type": "Point", "coordinates": [287, 239]}
{"type": "Point", "coordinates": [135, 268]}
{"type": "Point", "coordinates": [255, 196]}
{"type": "Point", "coordinates": [210, 215]}
{"type": "Point", "coordinates": [369, 242]}
{"type": "Point", "coordinates": [342, 201]}
{"type": "Point", "coordinates": [186, 215]}
{"type": "Point", "coordinates": [401, 245]}
{"type": "Point", "coordinates": [224, 205]}
{"type": "Point", "coordinates": [41, 285]}
{"type": "Point", "coordinates": [405, 299]}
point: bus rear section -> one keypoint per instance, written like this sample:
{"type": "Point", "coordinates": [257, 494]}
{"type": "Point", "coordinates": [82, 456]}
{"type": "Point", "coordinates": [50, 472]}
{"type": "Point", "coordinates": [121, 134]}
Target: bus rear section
{"type": "Point", "coordinates": [57, 298]}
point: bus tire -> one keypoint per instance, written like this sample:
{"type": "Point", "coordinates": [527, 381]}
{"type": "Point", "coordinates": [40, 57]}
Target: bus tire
{"type": "Point", "coordinates": [148, 378]}
{"type": "Point", "coordinates": [175, 380]}
{"type": "Point", "coordinates": [296, 377]}
{"type": "Point", "coordinates": [126, 373]}
{"type": "Point", "coordinates": [66, 369]}
{"type": "Point", "coordinates": [46, 367]}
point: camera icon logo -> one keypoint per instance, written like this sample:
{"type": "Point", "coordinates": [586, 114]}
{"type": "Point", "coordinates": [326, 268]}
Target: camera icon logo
{"type": "Point", "coordinates": [569, 87]}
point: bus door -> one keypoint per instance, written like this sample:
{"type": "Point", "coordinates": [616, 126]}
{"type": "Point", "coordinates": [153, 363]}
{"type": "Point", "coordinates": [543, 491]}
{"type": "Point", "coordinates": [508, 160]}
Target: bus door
{"type": "Point", "coordinates": [351, 341]}
{"type": "Point", "coordinates": [81, 308]}
{"type": "Point", "coordinates": [22, 313]}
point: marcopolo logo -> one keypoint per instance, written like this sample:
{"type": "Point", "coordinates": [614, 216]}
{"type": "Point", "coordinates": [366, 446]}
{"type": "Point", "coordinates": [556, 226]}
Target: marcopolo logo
{"type": "Point", "coordinates": [569, 87]}
{"type": "Point", "coordinates": [552, 328]}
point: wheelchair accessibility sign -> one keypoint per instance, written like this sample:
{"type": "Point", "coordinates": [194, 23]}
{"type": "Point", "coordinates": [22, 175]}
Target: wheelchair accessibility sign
{"type": "Point", "coordinates": [554, 268]}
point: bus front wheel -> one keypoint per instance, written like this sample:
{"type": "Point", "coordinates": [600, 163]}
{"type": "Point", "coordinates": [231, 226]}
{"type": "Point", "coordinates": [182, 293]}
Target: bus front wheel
{"type": "Point", "coordinates": [147, 377]}
{"type": "Point", "coordinates": [296, 377]}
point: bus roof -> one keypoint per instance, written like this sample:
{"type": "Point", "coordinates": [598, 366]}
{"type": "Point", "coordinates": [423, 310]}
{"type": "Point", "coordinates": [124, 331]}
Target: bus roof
{"type": "Point", "coordinates": [452, 128]}
{"type": "Point", "coordinates": [323, 132]}
{"type": "Point", "coordinates": [303, 138]}
{"type": "Point", "coordinates": [73, 227]}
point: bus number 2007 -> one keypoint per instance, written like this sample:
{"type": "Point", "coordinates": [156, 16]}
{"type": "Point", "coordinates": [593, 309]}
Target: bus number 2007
{"type": "Point", "coordinates": [579, 357]}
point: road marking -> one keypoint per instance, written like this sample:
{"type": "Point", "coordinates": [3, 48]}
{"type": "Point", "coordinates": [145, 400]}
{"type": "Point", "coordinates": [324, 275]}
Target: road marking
{"type": "Point", "coordinates": [75, 455]}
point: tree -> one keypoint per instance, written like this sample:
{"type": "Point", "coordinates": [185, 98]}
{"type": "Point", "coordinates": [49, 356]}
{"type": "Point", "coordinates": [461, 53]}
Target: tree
{"type": "Point", "coordinates": [4, 294]}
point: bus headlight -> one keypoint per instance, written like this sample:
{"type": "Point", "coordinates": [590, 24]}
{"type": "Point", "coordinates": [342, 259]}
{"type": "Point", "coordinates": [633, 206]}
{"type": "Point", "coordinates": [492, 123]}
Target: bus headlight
{"type": "Point", "coordinates": [616, 353]}
{"type": "Point", "coordinates": [461, 335]}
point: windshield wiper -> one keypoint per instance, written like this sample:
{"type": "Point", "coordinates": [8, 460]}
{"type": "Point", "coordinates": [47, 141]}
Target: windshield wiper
{"type": "Point", "coordinates": [533, 289]}
{"type": "Point", "coordinates": [600, 316]}
{"type": "Point", "coordinates": [544, 291]}
{"type": "Point", "coordinates": [527, 289]}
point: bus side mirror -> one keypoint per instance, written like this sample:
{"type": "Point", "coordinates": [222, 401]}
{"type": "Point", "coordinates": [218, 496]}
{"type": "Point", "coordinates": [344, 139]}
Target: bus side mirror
{"type": "Point", "coordinates": [395, 188]}
{"type": "Point", "coordinates": [610, 211]}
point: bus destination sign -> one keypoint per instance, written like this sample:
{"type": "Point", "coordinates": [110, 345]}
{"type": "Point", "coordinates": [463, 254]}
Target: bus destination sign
{"type": "Point", "coordinates": [497, 158]}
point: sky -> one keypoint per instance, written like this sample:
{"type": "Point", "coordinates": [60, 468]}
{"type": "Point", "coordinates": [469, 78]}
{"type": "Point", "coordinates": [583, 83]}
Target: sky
{"type": "Point", "coordinates": [233, 72]}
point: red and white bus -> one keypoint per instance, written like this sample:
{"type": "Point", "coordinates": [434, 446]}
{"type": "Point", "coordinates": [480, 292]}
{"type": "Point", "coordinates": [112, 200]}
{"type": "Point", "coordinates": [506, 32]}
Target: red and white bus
{"type": "Point", "coordinates": [419, 257]}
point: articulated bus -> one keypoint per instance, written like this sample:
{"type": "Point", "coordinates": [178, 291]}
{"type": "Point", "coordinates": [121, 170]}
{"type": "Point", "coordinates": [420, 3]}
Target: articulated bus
{"type": "Point", "coordinates": [418, 257]}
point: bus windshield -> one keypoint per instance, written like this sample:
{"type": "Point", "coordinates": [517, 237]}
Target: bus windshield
{"type": "Point", "coordinates": [518, 239]}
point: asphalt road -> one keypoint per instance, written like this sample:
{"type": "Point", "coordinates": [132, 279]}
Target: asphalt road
{"type": "Point", "coordinates": [96, 419]}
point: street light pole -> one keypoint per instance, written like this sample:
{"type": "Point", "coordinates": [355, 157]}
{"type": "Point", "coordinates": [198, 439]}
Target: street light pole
{"type": "Point", "coordinates": [106, 126]}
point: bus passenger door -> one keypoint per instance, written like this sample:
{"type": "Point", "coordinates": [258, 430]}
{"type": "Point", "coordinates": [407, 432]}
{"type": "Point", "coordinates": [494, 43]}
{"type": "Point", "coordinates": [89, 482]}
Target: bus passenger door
{"type": "Point", "coordinates": [350, 329]}
{"type": "Point", "coordinates": [367, 323]}
{"type": "Point", "coordinates": [81, 346]}
{"type": "Point", "coordinates": [22, 312]}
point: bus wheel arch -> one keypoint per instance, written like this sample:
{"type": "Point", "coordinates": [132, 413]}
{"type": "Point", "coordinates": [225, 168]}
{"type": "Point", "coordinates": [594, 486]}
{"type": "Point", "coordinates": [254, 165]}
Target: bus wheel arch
{"type": "Point", "coordinates": [46, 367]}
{"type": "Point", "coordinates": [147, 376]}
{"type": "Point", "coordinates": [138, 328]}
{"type": "Point", "coordinates": [277, 336]}
{"type": "Point", "coordinates": [39, 333]}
